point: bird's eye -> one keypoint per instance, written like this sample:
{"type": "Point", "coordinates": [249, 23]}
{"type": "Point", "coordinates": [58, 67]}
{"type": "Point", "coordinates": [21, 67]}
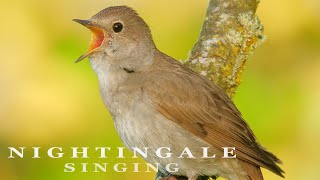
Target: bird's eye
{"type": "Point", "coordinates": [117, 27]}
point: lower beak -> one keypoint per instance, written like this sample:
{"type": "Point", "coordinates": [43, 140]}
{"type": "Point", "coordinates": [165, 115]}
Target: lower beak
{"type": "Point", "coordinates": [98, 36]}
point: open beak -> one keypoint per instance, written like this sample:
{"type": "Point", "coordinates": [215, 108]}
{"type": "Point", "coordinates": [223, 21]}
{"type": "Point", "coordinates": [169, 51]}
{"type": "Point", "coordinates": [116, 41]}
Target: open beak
{"type": "Point", "coordinates": [97, 37]}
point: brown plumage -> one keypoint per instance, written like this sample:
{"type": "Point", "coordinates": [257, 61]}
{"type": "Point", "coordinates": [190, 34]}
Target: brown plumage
{"type": "Point", "coordinates": [156, 101]}
{"type": "Point", "coordinates": [201, 107]}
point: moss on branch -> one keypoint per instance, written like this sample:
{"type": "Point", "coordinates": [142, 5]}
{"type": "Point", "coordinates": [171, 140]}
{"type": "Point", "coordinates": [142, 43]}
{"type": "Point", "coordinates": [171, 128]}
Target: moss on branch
{"type": "Point", "coordinates": [230, 34]}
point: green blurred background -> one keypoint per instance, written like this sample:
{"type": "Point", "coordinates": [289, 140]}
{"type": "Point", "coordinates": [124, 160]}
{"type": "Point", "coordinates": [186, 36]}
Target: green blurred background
{"type": "Point", "coordinates": [46, 100]}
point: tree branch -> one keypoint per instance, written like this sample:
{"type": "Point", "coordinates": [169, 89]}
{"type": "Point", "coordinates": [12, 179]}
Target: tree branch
{"type": "Point", "coordinates": [230, 34]}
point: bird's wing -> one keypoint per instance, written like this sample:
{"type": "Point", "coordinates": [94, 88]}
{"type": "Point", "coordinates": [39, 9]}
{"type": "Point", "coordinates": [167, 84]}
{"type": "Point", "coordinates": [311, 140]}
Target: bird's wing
{"type": "Point", "coordinates": [199, 106]}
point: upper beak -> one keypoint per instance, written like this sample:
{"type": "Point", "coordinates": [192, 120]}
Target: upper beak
{"type": "Point", "coordinates": [97, 38]}
{"type": "Point", "coordinates": [85, 23]}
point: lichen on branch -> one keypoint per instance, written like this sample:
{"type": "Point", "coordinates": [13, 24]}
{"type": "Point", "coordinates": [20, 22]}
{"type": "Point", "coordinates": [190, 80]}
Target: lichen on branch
{"type": "Point", "coordinates": [230, 34]}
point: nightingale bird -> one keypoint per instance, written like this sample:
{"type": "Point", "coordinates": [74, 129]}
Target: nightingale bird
{"type": "Point", "coordinates": [155, 101]}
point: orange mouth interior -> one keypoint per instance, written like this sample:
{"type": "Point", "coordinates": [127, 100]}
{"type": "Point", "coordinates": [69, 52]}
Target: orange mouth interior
{"type": "Point", "coordinates": [96, 39]}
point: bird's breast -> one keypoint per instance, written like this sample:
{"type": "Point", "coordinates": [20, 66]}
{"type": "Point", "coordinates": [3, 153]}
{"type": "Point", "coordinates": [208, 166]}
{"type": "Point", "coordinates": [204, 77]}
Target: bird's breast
{"type": "Point", "coordinates": [140, 125]}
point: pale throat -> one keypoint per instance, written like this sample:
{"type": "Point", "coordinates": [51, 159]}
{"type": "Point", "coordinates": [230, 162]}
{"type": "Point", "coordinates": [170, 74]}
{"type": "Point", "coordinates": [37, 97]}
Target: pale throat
{"type": "Point", "coordinates": [113, 72]}
{"type": "Point", "coordinates": [109, 75]}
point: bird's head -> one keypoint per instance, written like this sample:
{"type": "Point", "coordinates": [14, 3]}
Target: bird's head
{"type": "Point", "coordinates": [119, 36]}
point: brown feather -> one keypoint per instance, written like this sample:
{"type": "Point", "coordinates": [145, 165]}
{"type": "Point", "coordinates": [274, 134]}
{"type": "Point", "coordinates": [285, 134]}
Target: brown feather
{"type": "Point", "coordinates": [201, 107]}
{"type": "Point", "coordinates": [254, 172]}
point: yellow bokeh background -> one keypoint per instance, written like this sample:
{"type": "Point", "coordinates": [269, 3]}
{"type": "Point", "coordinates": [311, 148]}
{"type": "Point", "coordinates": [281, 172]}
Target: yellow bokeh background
{"type": "Point", "coordinates": [46, 100]}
